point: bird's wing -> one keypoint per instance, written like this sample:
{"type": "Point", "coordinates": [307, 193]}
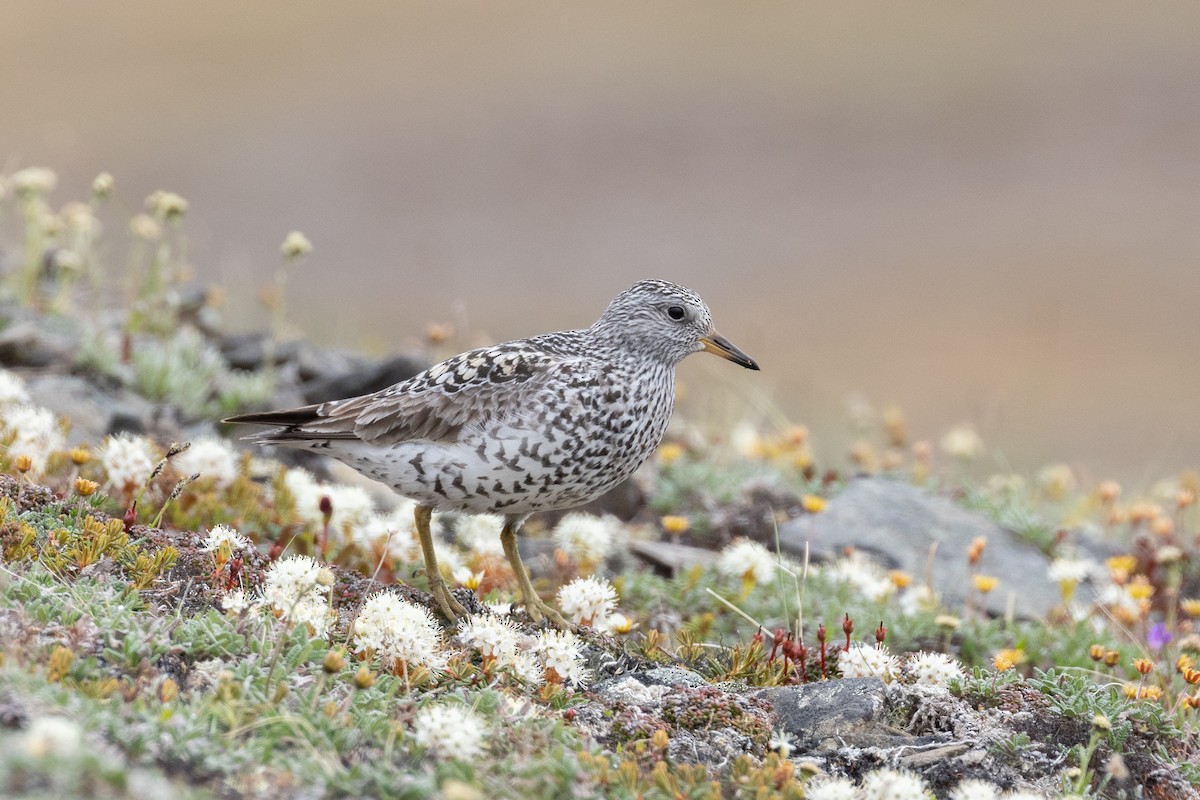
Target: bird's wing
{"type": "Point", "coordinates": [469, 390]}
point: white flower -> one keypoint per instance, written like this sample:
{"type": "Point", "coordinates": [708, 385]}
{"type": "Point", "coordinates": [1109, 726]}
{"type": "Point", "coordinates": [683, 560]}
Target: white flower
{"type": "Point", "coordinates": [166, 205]}
{"type": "Point", "coordinates": [893, 784]}
{"type": "Point", "coordinates": [747, 560]}
{"type": "Point", "coordinates": [393, 529]}
{"type": "Point", "coordinates": [588, 601]}
{"type": "Point", "coordinates": [934, 669]}
{"type": "Point", "coordinates": [585, 537]}
{"type": "Point", "coordinates": [962, 442]}
{"type": "Point", "coordinates": [464, 576]}
{"type": "Point", "coordinates": [781, 743]}
{"type": "Point", "coordinates": [561, 653]}
{"type": "Point", "coordinates": [480, 534]}
{"type": "Point", "coordinates": [35, 433]}
{"type": "Point", "coordinates": [619, 623]}
{"type": "Point", "coordinates": [128, 461]}
{"type": "Point", "coordinates": [975, 790]}
{"type": "Point", "coordinates": [224, 536]}
{"type": "Point", "coordinates": [12, 389]}
{"type": "Point", "coordinates": [450, 731]}
{"type": "Point", "coordinates": [492, 636]}
{"type": "Point", "coordinates": [827, 788]}
{"type": "Point", "coordinates": [917, 599]}
{"type": "Point", "coordinates": [867, 578]}
{"type": "Point", "coordinates": [864, 661]}
{"type": "Point", "coordinates": [34, 180]}
{"type": "Point", "coordinates": [235, 602]}
{"type": "Point", "coordinates": [1072, 570]}
{"type": "Point", "coordinates": [295, 245]}
{"type": "Point", "coordinates": [53, 737]}
{"type": "Point", "coordinates": [211, 457]}
{"type": "Point", "coordinates": [294, 589]}
{"type": "Point", "coordinates": [398, 632]}
{"type": "Point", "coordinates": [500, 609]}
{"type": "Point", "coordinates": [349, 506]}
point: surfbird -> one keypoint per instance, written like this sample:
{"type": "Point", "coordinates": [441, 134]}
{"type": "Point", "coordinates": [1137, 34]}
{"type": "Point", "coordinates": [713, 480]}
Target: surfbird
{"type": "Point", "coordinates": [537, 424]}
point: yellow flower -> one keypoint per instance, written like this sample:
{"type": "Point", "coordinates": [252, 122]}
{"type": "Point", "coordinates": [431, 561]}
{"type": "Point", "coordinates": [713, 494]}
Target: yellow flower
{"type": "Point", "coordinates": [975, 551]}
{"type": "Point", "coordinates": [985, 583]}
{"type": "Point", "coordinates": [24, 463]}
{"type": "Point", "coordinates": [1184, 662]}
{"type": "Point", "coordinates": [670, 452]}
{"type": "Point", "coordinates": [1140, 588]}
{"type": "Point", "coordinates": [1121, 567]}
{"type": "Point", "coordinates": [1111, 658]}
{"type": "Point", "coordinates": [813, 504]}
{"type": "Point", "coordinates": [85, 487]}
{"type": "Point", "coordinates": [1007, 659]}
{"type": "Point", "coordinates": [899, 578]}
{"type": "Point", "coordinates": [1143, 665]}
{"type": "Point", "coordinates": [1190, 606]}
{"type": "Point", "coordinates": [80, 456]}
{"type": "Point", "coordinates": [675, 525]}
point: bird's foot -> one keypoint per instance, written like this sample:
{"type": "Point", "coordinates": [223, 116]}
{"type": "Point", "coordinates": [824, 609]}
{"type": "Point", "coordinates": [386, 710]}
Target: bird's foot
{"type": "Point", "coordinates": [539, 611]}
{"type": "Point", "coordinates": [451, 609]}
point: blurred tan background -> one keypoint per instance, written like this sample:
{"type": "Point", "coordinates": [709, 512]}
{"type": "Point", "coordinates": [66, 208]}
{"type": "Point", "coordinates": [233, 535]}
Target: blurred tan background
{"type": "Point", "coordinates": [983, 212]}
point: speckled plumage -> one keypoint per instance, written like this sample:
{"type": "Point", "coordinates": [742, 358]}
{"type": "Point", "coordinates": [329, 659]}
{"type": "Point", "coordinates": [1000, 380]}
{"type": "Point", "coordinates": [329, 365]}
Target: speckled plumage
{"type": "Point", "coordinates": [548, 422]}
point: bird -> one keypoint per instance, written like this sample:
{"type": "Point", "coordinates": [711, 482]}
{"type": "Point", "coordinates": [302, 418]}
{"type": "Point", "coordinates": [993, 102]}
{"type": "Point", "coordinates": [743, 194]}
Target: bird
{"type": "Point", "coordinates": [544, 423]}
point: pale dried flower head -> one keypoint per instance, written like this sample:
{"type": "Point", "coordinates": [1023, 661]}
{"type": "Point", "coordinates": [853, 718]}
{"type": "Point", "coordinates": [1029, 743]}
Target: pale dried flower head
{"type": "Point", "coordinates": [128, 461]}
{"type": "Point", "coordinates": [166, 205]}
{"type": "Point", "coordinates": [35, 433]}
{"type": "Point", "coordinates": [295, 246]}
{"type": "Point", "coordinates": [962, 442]}
{"type": "Point", "coordinates": [864, 661]}
{"type": "Point", "coordinates": [103, 185]}
{"type": "Point", "coordinates": [561, 654]}
{"type": "Point", "coordinates": [293, 590]}
{"type": "Point", "coordinates": [747, 560]}
{"type": "Point", "coordinates": [33, 181]}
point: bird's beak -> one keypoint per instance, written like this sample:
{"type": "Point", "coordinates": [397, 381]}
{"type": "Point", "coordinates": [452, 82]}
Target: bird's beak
{"type": "Point", "coordinates": [720, 346]}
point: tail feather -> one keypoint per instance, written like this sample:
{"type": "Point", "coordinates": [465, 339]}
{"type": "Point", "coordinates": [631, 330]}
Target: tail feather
{"type": "Point", "coordinates": [289, 427]}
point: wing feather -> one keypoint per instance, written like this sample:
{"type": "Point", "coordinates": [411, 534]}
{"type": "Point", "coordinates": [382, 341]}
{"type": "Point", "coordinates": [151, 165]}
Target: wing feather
{"type": "Point", "coordinates": [474, 389]}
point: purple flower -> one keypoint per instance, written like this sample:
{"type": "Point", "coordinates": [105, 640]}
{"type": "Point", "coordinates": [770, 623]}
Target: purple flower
{"type": "Point", "coordinates": [1158, 636]}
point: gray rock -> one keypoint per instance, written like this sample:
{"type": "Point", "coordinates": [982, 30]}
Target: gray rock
{"type": "Point", "coordinates": [671, 676]}
{"type": "Point", "coordinates": [897, 524]}
{"type": "Point", "coordinates": [333, 381]}
{"type": "Point", "coordinates": [813, 713]}
{"type": "Point", "coordinates": [94, 410]}
{"type": "Point", "coordinates": [39, 342]}
{"type": "Point", "coordinates": [669, 559]}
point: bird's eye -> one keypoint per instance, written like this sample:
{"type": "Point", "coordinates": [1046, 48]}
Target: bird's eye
{"type": "Point", "coordinates": [676, 313]}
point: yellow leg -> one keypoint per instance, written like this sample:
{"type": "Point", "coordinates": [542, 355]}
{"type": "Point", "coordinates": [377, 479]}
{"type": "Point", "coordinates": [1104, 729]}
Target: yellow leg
{"type": "Point", "coordinates": [534, 606]}
{"type": "Point", "coordinates": [451, 608]}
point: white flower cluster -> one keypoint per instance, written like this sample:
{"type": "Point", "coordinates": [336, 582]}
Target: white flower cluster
{"type": "Point", "coordinates": [35, 432]}
{"type": "Point", "coordinates": [12, 389]}
{"type": "Point", "coordinates": [982, 790]}
{"type": "Point", "coordinates": [865, 576]}
{"type": "Point", "coordinates": [1074, 570]}
{"type": "Point", "coordinates": [128, 461]}
{"type": "Point", "coordinates": [747, 560]}
{"type": "Point", "coordinates": [561, 653]}
{"type": "Point", "coordinates": [211, 457]}
{"type": "Point", "coordinates": [236, 601]}
{"type": "Point", "coordinates": [296, 590]}
{"type": "Point", "coordinates": [393, 531]}
{"type": "Point", "coordinates": [450, 731]}
{"type": "Point", "coordinates": [398, 633]}
{"type": "Point", "coordinates": [350, 506]}
{"type": "Point", "coordinates": [588, 601]}
{"type": "Point", "coordinates": [893, 784]}
{"type": "Point", "coordinates": [865, 661]}
{"type": "Point", "coordinates": [222, 536]}
{"type": "Point", "coordinates": [496, 638]}
{"type": "Point", "coordinates": [933, 669]}
{"type": "Point", "coordinates": [586, 538]}
{"type": "Point", "coordinates": [480, 533]}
